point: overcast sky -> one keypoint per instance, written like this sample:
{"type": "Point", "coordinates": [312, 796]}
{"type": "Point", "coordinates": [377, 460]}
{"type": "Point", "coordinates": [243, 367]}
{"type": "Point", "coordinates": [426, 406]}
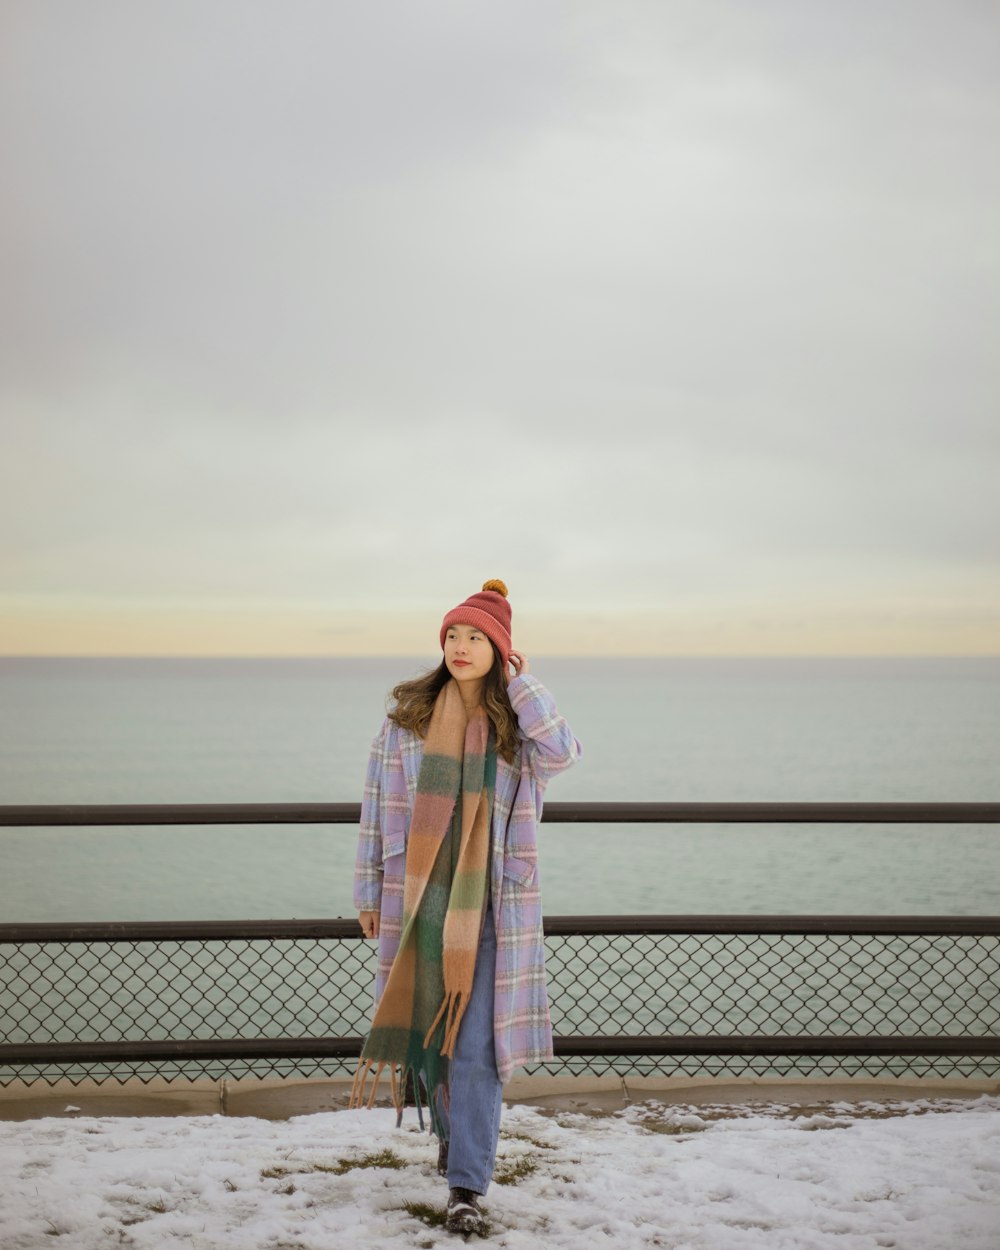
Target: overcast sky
{"type": "Point", "coordinates": [681, 318]}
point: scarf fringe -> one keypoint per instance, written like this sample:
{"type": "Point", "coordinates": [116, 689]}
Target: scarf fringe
{"type": "Point", "coordinates": [398, 1074]}
{"type": "Point", "coordinates": [357, 1095]}
{"type": "Point", "coordinates": [452, 1010]}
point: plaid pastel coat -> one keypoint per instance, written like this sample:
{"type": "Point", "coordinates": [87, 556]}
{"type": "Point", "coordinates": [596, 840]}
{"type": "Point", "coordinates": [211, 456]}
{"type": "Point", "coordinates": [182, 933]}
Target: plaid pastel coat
{"type": "Point", "coordinates": [521, 1024]}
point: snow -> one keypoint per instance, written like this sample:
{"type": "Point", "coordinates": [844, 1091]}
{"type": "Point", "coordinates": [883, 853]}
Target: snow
{"type": "Point", "coordinates": [922, 1174]}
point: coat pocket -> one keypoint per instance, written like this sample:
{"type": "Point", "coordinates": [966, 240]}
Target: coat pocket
{"type": "Point", "coordinates": [520, 870]}
{"type": "Point", "coordinates": [393, 843]}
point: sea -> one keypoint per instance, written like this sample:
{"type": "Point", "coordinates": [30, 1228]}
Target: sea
{"type": "Point", "coordinates": [217, 730]}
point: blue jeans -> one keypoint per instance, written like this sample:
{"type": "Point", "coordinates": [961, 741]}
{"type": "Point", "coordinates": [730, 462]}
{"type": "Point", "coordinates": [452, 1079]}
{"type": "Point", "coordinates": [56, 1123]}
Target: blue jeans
{"type": "Point", "coordinates": [472, 1119]}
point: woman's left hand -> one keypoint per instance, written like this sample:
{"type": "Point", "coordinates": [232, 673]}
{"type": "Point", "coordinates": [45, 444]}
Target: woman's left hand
{"type": "Point", "coordinates": [520, 662]}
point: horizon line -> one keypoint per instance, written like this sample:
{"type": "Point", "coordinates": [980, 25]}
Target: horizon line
{"type": "Point", "coordinates": [549, 655]}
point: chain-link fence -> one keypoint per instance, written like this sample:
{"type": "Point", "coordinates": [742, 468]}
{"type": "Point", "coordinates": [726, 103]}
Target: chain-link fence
{"type": "Point", "coordinates": [702, 995]}
{"type": "Point", "coordinates": [110, 1003]}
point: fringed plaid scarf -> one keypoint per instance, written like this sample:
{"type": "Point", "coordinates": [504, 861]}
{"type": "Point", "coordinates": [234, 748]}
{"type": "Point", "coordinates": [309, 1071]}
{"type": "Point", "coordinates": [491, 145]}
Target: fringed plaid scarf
{"type": "Point", "coordinates": [444, 899]}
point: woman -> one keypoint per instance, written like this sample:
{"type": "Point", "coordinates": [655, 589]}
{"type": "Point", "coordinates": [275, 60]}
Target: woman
{"type": "Point", "coordinates": [447, 881]}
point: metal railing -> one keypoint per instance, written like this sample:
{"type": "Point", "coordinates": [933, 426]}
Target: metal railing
{"type": "Point", "coordinates": [701, 994]}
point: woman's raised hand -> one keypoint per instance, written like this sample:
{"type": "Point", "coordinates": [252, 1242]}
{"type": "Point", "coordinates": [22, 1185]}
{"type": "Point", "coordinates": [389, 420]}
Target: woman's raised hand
{"type": "Point", "coordinates": [520, 662]}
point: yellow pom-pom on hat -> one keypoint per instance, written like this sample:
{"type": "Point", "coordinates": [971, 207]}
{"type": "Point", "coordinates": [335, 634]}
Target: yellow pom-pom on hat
{"type": "Point", "coordinates": [489, 611]}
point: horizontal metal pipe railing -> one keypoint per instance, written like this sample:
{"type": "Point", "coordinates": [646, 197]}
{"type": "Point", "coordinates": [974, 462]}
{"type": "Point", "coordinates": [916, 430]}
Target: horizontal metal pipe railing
{"type": "Point", "coordinates": [21, 814]}
{"type": "Point", "coordinates": [554, 926]}
{"type": "Point", "coordinates": [617, 1044]}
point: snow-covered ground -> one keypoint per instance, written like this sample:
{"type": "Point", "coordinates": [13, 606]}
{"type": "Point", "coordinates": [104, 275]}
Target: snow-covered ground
{"type": "Point", "coordinates": [915, 1175]}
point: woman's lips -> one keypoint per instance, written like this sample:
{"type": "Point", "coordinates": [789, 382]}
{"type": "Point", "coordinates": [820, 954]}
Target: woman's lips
{"type": "Point", "coordinates": [461, 663]}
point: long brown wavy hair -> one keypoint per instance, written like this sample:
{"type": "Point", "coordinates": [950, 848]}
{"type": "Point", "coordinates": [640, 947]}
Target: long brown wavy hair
{"type": "Point", "coordinates": [415, 702]}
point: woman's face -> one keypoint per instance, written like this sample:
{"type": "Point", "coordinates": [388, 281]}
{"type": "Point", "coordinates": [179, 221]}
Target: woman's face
{"type": "Point", "coordinates": [467, 652]}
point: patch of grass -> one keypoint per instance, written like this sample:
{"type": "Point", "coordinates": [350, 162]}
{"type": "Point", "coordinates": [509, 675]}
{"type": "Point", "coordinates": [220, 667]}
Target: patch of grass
{"type": "Point", "coordinates": [380, 1159]}
{"type": "Point", "coordinates": [116, 1236]}
{"type": "Point", "coordinates": [228, 1184]}
{"type": "Point", "coordinates": [423, 1211]}
{"type": "Point", "coordinates": [671, 1130]}
{"type": "Point", "coordinates": [539, 1145]}
{"type": "Point", "coordinates": [713, 1112]}
{"type": "Point", "coordinates": [510, 1171]}
{"type": "Point", "coordinates": [856, 1112]}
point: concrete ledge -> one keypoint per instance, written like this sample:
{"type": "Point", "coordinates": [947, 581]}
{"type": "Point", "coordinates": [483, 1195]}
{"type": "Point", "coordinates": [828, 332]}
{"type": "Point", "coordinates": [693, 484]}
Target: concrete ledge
{"type": "Point", "coordinates": [68, 1101]}
{"type": "Point", "coordinates": [590, 1094]}
{"type": "Point", "coordinates": [763, 1089]}
{"type": "Point", "coordinates": [279, 1099]}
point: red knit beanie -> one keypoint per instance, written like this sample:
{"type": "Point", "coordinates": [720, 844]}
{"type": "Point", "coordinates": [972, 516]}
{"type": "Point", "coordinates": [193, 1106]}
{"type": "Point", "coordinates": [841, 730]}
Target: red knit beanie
{"type": "Point", "coordinates": [489, 611]}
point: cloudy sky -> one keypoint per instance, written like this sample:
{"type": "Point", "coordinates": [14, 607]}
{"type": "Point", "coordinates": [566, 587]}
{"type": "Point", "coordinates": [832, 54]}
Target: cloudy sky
{"type": "Point", "coordinates": [680, 317]}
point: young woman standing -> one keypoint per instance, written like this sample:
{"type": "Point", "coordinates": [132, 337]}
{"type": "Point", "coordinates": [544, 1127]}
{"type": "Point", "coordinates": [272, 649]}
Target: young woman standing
{"type": "Point", "coordinates": [447, 881]}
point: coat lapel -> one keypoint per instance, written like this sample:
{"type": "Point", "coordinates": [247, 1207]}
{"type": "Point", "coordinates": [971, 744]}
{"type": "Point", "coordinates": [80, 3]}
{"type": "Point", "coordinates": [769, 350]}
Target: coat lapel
{"type": "Point", "coordinates": [411, 750]}
{"type": "Point", "coordinates": [508, 776]}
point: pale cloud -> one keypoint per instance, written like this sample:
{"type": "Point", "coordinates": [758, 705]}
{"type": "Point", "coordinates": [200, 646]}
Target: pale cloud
{"type": "Point", "coordinates": [682, 312]}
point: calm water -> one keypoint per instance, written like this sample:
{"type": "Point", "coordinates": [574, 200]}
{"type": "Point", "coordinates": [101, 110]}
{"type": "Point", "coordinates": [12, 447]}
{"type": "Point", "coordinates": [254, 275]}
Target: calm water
{"type": "Point", "coordinates": [152, 731]}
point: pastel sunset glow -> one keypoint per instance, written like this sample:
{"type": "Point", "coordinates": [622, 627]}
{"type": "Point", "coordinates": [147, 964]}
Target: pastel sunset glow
{"type": "Point", "coordinates": [679, 318]}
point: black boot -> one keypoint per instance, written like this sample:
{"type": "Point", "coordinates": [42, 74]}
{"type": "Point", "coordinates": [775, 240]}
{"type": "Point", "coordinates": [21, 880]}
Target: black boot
{"type": "Point", "coordinates": [465, 1215]}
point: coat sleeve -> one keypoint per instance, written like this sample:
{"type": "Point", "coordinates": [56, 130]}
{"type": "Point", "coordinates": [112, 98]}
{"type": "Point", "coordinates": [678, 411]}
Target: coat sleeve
{"type": "Point", "coordinates": [368, 864]}
{"type": "Point", "coordinates": [551, 743]}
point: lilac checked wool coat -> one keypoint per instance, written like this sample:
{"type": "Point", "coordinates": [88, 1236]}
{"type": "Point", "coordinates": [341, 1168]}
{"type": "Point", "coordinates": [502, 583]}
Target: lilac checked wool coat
{"type": "Point", "coordinates": [521, 1025]}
